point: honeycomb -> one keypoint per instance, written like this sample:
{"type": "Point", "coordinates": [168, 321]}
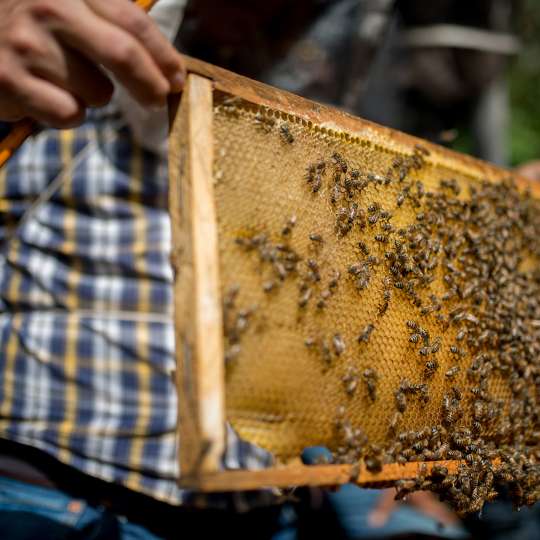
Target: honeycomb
{"type": "Point", "coordinates": [376, 301]}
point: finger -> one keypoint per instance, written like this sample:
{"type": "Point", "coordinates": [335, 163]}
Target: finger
{"type": "Point", "coordinates": [48, 104]}
{"type": "Point", "coordinates": [76, 74]}
{"type": "Point", "coordinates": [381, 512]}
{"type": "Point", "coordinates": [530, 170]}
{"type": "Point", "coordinates": [44, 57]}
{"type": "Point", "coordinates": [429, 505]}
{"type": "Point", "coordinates": [111, 46]}
{"type": "Point", "coordinates": [134, 20]}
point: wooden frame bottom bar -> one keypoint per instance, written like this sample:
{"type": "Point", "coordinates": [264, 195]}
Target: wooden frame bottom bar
{"type": "Point", "coordinates": [309, 475]}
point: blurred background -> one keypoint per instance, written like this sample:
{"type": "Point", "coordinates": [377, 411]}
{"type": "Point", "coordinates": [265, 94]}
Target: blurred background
{"type": "Point", "coordinates": [524, 90]}
{"type": "Point", "coordinates": [462, 74]}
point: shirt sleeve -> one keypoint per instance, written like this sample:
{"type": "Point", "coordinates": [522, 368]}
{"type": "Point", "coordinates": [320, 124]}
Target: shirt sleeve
{"type": "Point", "coordinates": [150, 127]}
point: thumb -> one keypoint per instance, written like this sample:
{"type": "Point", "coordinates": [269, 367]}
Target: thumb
{"type": "Point", "coordinates": [382, 510]}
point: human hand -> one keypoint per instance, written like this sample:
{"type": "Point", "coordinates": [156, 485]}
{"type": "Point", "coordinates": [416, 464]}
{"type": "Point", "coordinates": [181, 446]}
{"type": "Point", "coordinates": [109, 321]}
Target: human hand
{"type": "Point", "coordinates": [424, 501]}
{"type": "Point", "coordinates": [52, 53]}
{"type": "Point", "coordinates": [530, 170]}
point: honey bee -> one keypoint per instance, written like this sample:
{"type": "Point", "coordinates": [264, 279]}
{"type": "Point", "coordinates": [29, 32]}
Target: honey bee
{"type": "Point", "coordinates": [430, 368]}
{"type": "Point", "coordinates": [333, 283]}
{"type": "Point", "coordinates": [335, 194]}
{"type": "Point", "coordinates": [340, 162]}
{"type": "Point", "coordinates": [325, 352]}
{"type": "Point", "coordinates": [285, 133]}
{"type": "Point", "coordinates": [231, 296]}
{"type": "Point", "coordinates": [350, 386]}
{"type": "Point", "coordinates": [424, 334]}
{"type": "Point", "coordinates": [354, 472]}
{"type": "Point", "coordinates": [316, 184]}
{"type": "Point", "coordinates": [478, 411]}
{"type": "Point", "coordinates": [232, 352]}
{"type": "Point", "coordinates": [269, 286]}
{"type": "Point", "coordinates": [452, 372]}
{"type": "Point", "coordinates": [454, 349]}
{"type": "Point", "coordinates": [373, 218]}
{"type": "Point", "coordinates": [401, 459]}
{"type": "Point", "coordinates": [392, 426]}
{"type": "Point", "coordinates": [413, 325]}
{"type": "Point", "coordinates": [370, 378]}
{"type": "Point", "coordinates": [325, 294]}
{"type": "Point", "coordinates": [373, 464]}
{"type": "Point", "coordinates": [356, 269]}
{"type": "Point", "coordinates": [338, 343]}
{"type": "Point", "coordinates": [320, 166]}
{"type": "Point", "coordinates": [471, 318]}
{"type": "Point", "coordinates": [353, 211]}
{"type": "Point", "coordinates": [362, 282]}
{"type": "Point", "coordinates": [304, 298]}
{"type": "Point", "coordinates": [435, 347]}
{"type": "Point", "coordinates": [314, 267]}
{"type": "Point", "coordinates": [314, 237]}
{"type": "Point", "coordinates": [400, 198]}
{"type": "Point", "coordinates": [421, 149]}
{"type": "Point", "coordinates": [476, 427]}
{"type": "Point", "coordinates": [311, 171]}
{"type": "Point", "coordinates": [401, 401]}
{"type": "Point", "coordinates": [442, 451]}
{"type": "Point", "coordinates": [424, 351]}
{"type": "Point", "coordinates": [363, 248]}
{"type": "Point", "coordinates": [350, 381]}
{"type": "Point", "coordinates": [366, 333]}
{"type": "Point", "coordinates": [280, 270]}
{"type": "Point", "coordinates": [403, 488]}
{"type": "Point", "coordinates": [264, 122]}
{"type": "Point", "coordinates": [291, 222]}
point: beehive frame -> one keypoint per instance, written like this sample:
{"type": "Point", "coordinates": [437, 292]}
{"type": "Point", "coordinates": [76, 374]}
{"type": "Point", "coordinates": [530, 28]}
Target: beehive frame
{"type": "Point", "coordinates": [198, 302]}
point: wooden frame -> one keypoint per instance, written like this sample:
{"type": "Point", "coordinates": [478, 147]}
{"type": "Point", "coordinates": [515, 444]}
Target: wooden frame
{"type": "Point", "coordinates": [199, 341]}
{"type": "Point", "coordinates": [198, 316]}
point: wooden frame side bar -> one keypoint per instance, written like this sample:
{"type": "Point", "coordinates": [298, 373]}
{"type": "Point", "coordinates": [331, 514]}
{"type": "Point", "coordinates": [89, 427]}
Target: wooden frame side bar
{"type": "Point", "coordinates": [197, 297]}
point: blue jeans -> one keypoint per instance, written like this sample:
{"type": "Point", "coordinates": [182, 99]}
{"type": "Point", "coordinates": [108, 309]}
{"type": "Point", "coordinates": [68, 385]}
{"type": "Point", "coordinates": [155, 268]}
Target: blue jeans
{"type": "Point", "coordinates": [32, 512]}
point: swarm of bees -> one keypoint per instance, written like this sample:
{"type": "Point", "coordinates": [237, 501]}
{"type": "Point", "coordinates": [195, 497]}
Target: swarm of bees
{"type": "Point", "coordinates": [487, 319]}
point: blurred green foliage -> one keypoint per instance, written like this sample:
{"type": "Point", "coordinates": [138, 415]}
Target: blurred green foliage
{"type": "Point", "coordinates": [524, 83]}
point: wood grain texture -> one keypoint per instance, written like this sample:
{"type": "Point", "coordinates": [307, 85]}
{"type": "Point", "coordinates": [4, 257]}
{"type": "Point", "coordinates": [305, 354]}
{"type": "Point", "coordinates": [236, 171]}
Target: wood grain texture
{"type": "Point", "coordinates": [198, 316]}
{"type": "Point", "coordinates": [309, 475]}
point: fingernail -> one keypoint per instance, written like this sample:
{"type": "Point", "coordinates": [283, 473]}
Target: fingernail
{"type": "Point", "coordinates": [177, 82]}
{"type": "Point", "coordinates": [376, 519]}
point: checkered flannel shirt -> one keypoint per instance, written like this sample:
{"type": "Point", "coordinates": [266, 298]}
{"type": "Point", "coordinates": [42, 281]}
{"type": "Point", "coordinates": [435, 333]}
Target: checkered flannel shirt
{"type": "Point", "coordinates": [86, 337]}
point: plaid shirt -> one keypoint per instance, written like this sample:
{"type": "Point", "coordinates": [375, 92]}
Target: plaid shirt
{"type": "Point", "coordinates": [86, 338]}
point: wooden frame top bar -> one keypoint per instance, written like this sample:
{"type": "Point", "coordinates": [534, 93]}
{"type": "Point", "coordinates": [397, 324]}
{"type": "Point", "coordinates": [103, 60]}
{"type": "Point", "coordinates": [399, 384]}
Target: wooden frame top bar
{"type": "Point", "coordinates": [332, 118]}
